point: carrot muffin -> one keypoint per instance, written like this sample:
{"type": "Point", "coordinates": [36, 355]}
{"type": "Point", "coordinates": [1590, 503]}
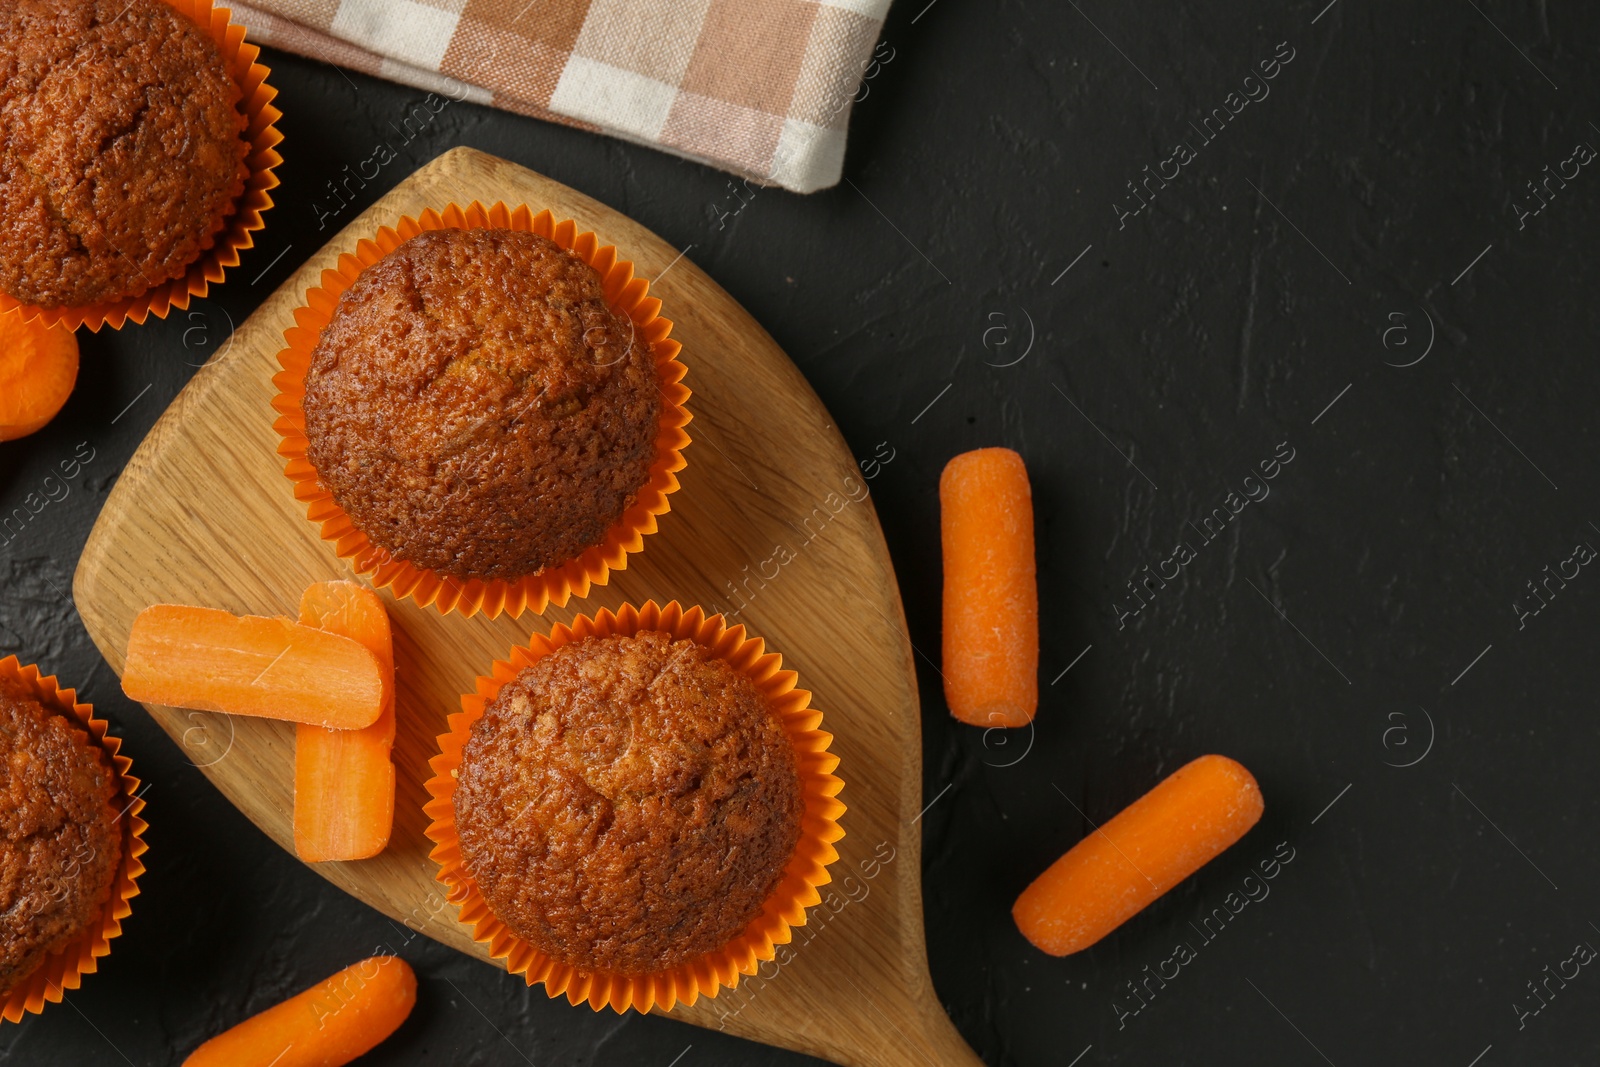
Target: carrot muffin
{"type": "Point", "coordinates": [626, 804]}
{"type": "Point", "coordinates": [121, 148]}
{"type": "Point", "coordinates": [63, 841]}
{"type": "Point", "coordinates": [477, 408]}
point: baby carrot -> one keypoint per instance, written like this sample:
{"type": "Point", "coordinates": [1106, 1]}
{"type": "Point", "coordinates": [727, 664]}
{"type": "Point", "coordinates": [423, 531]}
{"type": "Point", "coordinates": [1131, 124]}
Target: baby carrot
{"type": "Point", "coordinates": [991, 600]}
{"type": "Point", "coordinates": [329, 1024]}
{"type": "Point", "coordinates": [344, 779]}
{"type": "Point", "coordinates": [1146, 849]}
{"type": "Point", "coordinates": [203, 658]}
{"type": "Point", "coordinates": [38, 368]}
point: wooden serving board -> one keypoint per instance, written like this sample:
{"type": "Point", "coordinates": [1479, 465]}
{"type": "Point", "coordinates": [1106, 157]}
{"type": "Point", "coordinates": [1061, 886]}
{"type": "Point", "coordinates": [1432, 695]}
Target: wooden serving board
{"type": "Point", "coordinates": [204, 515]}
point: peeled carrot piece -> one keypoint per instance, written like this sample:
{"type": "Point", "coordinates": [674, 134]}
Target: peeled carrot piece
{"type": "Point", "coordinates": [1149, 847]}
{"type": "Point", "coordinates": [329, 1024]}
{"type": "Point", "coordinates": [38, 368]}
{"type": "Point", "coordinates": [991, 600]}
{"type": "Point", "coordinates": [208, 659]}
{"type": "Point", "coordinates": [344, 779]}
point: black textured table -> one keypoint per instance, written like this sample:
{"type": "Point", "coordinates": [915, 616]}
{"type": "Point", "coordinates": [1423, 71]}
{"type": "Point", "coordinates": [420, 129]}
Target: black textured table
{"type": "Point", "coordinates": [1161, 250]}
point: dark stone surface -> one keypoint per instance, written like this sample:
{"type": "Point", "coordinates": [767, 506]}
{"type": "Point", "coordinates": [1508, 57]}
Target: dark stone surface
{"type": "Point", "coordinates": [1327, 632]}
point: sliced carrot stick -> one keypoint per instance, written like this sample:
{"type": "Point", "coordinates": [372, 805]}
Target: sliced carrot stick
{"type": "Point", "coordinates": [991, 600]}
{"type": "Point", "coordinates": [344, 779]}
{"type": "Point", "coordinates": [38, 368]}
{"type": "Point", "coordinates": [208, 659]}
{"type": "Point", "coordinates": [329, 1024]}
{"type": "Point", "coordinates": [1149, 847]}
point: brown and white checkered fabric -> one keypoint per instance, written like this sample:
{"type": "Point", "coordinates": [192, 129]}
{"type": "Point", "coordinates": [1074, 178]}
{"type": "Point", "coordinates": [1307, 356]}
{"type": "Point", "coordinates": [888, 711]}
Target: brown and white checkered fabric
{"type": "Point", "coordinates": [762, 88]}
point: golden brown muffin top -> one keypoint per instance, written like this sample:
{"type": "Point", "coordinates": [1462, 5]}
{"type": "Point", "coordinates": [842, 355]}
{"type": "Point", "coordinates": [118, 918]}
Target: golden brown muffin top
{"type": "Point", "coordinates": [121, 148]}
{"type": "Point", "coordinates": [477, 408]}
{"type": "Point", "coordinates": [62, 841]}
{"type": "Point", "coordinates": [628, 803]}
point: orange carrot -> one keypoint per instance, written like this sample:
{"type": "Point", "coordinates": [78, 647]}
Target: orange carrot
{"type": "Point", "coordinates": [204, 658]}
{"type": "Point", "coordinates": [344, 779]}
{"type": "Point", "coordinates": [1149, 847]}
{"type": "Point", "coordinates": [38, 368]}
{"type": "Point", "coordinates": [991, 601]}
{"type": "Point", "coordinates": [329, 1024]}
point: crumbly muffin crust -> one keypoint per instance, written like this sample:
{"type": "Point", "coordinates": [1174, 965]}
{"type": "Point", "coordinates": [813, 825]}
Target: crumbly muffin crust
{"type": "Point", "coordinates": [62, 842]}
{"type": "Point", "coordinates": [121, 148]}
{"type": "Point", "coordinates": [476, 406]}
{"type": "Point", "coordinates": [628, 803]}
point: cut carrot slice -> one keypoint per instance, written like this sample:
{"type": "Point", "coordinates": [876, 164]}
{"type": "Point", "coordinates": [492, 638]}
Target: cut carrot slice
{"type": "Point", "coordinates": [344, 779]}
{"type": "Point", "coordinates": [991, 598]}
{"type": "Point", "coordinates": [38, 368]}
{"type": "Point", "coordinates": [328, 1025]}
{"type": "Point", "coordinates": [1150, 846]}
{"type": "Point", "coordinates": [203, 658]}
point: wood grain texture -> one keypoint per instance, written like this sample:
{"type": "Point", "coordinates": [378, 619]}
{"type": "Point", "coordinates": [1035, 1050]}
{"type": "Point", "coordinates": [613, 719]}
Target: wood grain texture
{"type": "Point", "coordinates": [772, 506]}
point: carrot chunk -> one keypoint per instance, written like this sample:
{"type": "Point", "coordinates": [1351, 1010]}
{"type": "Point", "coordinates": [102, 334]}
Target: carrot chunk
{"type": "Point", "coordinates": [38, 368]}
{"type": "Point", "coordinates": [203, 658]}
{"type": "Point", "coordinates": [329, 1024]}
{"type": "Point", "coordinates": [344, 779]}
{"type": "Point", "coordinates": [991, 600]}
{"type": "Point", "coordinates": [1149, 847]}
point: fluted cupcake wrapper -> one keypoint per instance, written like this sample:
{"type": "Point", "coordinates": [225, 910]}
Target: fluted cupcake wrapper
{"type": "Point", "coordinates": [261, 132]}
{"type": "Point", "coordinates": [627, 295]}
{"type": "Point", "coordinates": [63, 969]}
{"type": "Point", "coordinates": [784, 909]}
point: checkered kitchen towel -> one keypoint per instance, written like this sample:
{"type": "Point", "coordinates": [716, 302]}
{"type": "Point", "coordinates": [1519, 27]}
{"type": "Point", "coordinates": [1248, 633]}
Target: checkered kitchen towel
{"type": "Point", "coordinates": [762, 88]}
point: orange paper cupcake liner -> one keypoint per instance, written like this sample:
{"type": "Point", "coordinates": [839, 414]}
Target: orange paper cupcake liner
{"type": "Point", "coordinates": [784, 909]}
{"type": "Point", "coordinates": [63, 969]}
{"type": "Point", "coordinates": [236, 234]}
{"type": "Point", "coordinates": [626, 294]}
